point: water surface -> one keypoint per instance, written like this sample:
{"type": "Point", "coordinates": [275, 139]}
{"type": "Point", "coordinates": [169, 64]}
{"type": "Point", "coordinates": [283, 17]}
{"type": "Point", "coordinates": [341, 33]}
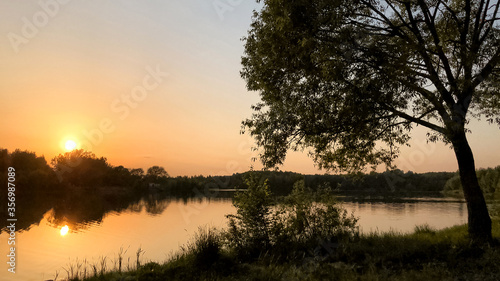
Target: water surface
{"type": "Point", "coordinates": [160, 227]}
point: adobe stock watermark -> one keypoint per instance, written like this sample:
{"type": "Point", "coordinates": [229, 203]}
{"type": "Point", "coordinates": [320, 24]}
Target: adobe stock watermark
{"type": "Point", "coordinates": [221, 7]}
{"type": "Point", "coordinates": [11, 218]}
{"type": "Point", "coordinates": [121, 107]}
{"type": "Point", "coordinates": [31, 26]}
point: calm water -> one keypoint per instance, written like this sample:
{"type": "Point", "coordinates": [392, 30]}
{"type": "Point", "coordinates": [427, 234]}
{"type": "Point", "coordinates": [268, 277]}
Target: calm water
{"type": "Point", "coordinates": [161, 228]}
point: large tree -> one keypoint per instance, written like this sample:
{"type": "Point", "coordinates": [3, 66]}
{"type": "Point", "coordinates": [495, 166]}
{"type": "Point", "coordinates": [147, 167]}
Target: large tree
{"type": "Point", "coordinates": [350, 79]}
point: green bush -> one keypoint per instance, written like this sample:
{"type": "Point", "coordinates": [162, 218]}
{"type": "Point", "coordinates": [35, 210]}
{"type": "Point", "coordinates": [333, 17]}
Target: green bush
{"type": "Point", "coordinates": [292, 228]}
{"type": "Point", "coordinates": [149, 272]}
{"type": "Point", "coordinates": [248, 232]}
{"type": "Point", "coordinates": [311, 223]}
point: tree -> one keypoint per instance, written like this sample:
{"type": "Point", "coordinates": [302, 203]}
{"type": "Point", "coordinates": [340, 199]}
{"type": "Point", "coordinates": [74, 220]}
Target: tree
{"type": "Point", "coordinates": [157, 172]}
{"type": "Point", "coordinates": [81, 168]}
{"type": "Point", "coordinates": [139, 172]}
{"type": "Point", "coordinates": [32, 173]}
{"type": "Point", "coordinates": [350, 79]}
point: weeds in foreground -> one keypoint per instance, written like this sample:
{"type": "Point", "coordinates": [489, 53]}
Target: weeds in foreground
{"type": "Point", "coordinates": [425, 254]}
{"type": "Point", "coordinates": [83, 270]}
{"type": "Point", "coordinates": [205, 247]}
{"type": "Point", "coordinates": [430, 255]}
{"type": "Point", "coordinates": [138, 255]}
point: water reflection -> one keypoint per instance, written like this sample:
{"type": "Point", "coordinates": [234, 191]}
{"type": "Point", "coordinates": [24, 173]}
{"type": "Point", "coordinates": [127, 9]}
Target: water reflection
{"type": "Point", "coordinates": [64, 230]}
{"type": "Point", "coordinates": [80, 211]}
{"type": "Point", "coordinates": [160, 224]}
{"type": "Point", "coordinates": [403, 217]}
{"type": "Point", "coordinates": [83, 208]}
{"type": "Point", "coordinates": [76, 220]}
{"type": "Point", "coordinates": [80, 215]}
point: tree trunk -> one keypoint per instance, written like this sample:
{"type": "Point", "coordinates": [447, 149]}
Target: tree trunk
{"type": "Point", "coordinates": [479, 221]}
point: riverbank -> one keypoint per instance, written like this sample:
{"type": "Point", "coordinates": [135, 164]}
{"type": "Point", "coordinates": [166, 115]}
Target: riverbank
{"type": "Point", "coordinates": [425, 254]}
{"type": "Point", "coordinates": [308, 236]}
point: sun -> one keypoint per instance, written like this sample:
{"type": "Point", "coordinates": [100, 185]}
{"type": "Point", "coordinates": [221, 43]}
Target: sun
{"type": "Point", "coordinates": [70, 145]}
{"type": "Point", "coordinates": [64, 230]}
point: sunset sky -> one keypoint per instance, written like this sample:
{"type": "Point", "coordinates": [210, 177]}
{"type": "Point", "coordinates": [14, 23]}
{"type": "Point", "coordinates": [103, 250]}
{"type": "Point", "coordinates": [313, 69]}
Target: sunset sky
{"type": "Point", "coordinates": [148, 83]}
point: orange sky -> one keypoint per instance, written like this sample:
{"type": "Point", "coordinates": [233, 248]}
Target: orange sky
{"type": "Point", "coordinates": [150, 83]}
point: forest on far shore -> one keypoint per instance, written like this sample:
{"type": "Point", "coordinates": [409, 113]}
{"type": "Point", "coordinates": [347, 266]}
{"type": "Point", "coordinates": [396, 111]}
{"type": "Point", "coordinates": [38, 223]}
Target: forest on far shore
{"type": "Point", "coordinates": [81, 187]}
{"type": "Point", "coordinates": [84, 170]}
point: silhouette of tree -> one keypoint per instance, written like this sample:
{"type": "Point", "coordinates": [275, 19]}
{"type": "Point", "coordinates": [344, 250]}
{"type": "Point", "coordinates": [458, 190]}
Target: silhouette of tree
{"type": "Point", "coordinates": [157, 172]}
{"type": "Point", "coordinates": [81, 168]}
{"type": "Point", "coordinates": [350, 79]}
{"type": "Point", "coordinates": [137, 172]}
{"type": "Point", "coordinates": [33, 174]}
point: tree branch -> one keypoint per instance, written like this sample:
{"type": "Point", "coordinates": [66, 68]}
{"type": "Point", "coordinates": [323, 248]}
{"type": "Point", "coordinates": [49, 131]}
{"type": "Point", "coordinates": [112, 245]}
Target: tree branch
{"type": "Point", "coordinates": [487, 70]}
{"type": "Point", "coordinates": [434, 76]}
{"type": "Point", "coordinates": [493, 19]}
{"type": "Point", "coordinates": [417, 120]}
{"type": "Point", "coordinates": [446, 64]}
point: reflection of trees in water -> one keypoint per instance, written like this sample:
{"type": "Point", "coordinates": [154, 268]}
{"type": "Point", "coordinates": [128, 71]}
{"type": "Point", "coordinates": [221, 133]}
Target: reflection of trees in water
{"type": "Point", "coordinates": [80, 208]}
{"type": "Point", "coordinates": [136, 207]}
{"type": "Point", "coordinates": [156, 206]}
{"type": "Point", "coordinates": [397, 209]}
{"type": "Point", "coordinates": [57, 221]}
{"type": "Point", "coordinates": [462, 209]}
{"type": "Point", "coordinates": [85, 207]}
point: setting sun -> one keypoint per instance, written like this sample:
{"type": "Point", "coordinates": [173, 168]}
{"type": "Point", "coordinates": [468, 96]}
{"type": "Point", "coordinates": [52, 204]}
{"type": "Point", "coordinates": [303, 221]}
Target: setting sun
{"type": "Point", "coordinates": [64, 230]}
{"type": "Point", "coordinates": [70, 145]}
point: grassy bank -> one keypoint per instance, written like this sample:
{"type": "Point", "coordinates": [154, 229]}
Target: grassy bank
{"type": "Point", "coordinates": [308, 236]}
{"type": "Point", "coordinates": [425, 254]}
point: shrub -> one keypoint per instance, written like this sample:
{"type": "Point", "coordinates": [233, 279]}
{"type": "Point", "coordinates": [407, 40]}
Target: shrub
{"type": "Point", "coordinates": [292, 228]}
{"type": "Point", "coordinates": [149, 272]}
{"type": "Point", "coordinates": [307, 219]}
{"type": "Point", "coordinates": [248, 231]}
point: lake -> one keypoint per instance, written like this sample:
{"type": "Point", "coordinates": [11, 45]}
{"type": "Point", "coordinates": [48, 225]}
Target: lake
{"type": "Point", "coordinates": [159, 227]}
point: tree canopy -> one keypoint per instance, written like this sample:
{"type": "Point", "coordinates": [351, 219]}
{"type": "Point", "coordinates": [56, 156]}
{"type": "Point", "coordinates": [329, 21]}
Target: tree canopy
{"type": "Point", "coordinates": [157, 172]}
{"type": "Point", "coordinates": [350, 79]}
{"type": "Point", "coordinates": [81, 168]}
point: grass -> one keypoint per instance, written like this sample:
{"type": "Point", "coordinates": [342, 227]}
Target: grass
{"type": "Point", "coordinates": [100, 269]}
{"type": "Point", "coordinates": [426, 254]}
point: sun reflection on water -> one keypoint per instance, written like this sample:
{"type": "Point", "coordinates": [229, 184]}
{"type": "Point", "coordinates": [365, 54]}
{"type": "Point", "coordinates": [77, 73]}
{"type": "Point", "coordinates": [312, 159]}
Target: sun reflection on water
{"type": "Point", "coordinates": [64, 230]}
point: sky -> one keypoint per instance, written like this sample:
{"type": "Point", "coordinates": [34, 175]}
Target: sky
{"type": "Point", "coordinates": [154, 82]}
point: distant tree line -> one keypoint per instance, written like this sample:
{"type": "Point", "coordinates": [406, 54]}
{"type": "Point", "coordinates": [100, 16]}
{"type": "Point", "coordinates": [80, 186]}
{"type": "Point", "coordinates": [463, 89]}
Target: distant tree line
{"type": "Point", "coordinates": [394, 182]}
{"type": "Point", "coordinates": [489, 180]}
{"type": "Point", "coordinates": [81, 187]}
{"type": "Point", "coordinates": [84, 169]}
